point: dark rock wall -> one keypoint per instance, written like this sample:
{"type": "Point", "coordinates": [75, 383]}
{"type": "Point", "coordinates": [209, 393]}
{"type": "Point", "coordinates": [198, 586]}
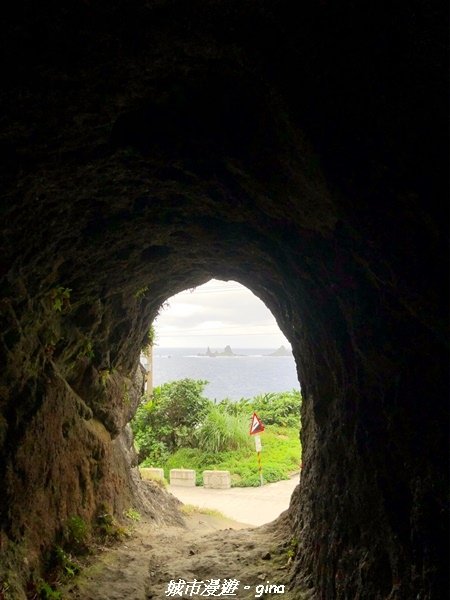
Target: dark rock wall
{"type": "Point", "coordinates": [148, 148]}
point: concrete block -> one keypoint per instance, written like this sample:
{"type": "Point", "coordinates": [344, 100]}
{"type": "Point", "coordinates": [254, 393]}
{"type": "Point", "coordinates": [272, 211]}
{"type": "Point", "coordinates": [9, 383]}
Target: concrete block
{"type": "Point", "coordinates": [184, 477]}
{"type": "Point", "coordinates": [219, 480]}
{"type": "Point", "coordinates": [151, 473]}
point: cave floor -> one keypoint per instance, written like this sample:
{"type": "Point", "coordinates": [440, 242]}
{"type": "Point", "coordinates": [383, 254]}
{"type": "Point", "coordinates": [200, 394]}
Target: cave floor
{"type": "Point", "coordinates": [209, 547]}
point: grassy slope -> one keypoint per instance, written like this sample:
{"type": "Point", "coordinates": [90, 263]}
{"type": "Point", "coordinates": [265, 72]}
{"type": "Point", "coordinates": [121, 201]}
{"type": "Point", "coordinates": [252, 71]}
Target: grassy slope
{"type": "Point", "coordinates": [280, 456]}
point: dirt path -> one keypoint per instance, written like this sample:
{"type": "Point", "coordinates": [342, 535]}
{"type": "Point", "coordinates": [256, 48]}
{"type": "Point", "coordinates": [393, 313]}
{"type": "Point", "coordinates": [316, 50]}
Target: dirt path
{"type": "Point", "coordinates": [209, 547]}
{"type": "Point", "coordinates": [239, 503]}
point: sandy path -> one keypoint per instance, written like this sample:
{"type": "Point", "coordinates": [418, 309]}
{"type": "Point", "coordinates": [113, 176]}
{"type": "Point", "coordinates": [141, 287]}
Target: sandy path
{"type": "Point", "coordinates": [255, 506]}
{"type": "Point", "coordinates": [208, 547]}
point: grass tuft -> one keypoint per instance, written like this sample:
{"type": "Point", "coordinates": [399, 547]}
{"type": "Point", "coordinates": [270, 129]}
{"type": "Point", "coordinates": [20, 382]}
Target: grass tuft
{"type": "Point", "coordinates": [190, 509]}
{"type": "Point", "coordinates": [222, 431]}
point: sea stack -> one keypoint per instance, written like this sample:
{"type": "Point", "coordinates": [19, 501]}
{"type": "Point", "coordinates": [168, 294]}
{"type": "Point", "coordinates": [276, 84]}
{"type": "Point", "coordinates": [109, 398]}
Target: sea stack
{"type": "Point", "coordinates": [282, 351]}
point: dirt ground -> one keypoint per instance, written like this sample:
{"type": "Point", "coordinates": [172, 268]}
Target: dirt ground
{"type": "Point", "coordinates": [208, 547]}
{"type": "Point", "coordinates": [252, 505]}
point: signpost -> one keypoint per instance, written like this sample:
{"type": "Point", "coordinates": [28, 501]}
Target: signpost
{"type": "Point", "coordinates": [257, 427]}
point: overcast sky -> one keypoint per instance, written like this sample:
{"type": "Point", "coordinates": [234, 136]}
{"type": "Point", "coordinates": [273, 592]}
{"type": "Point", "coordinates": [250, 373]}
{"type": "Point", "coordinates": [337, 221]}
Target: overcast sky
{"type": "Point", "coordinates": [216, 314]}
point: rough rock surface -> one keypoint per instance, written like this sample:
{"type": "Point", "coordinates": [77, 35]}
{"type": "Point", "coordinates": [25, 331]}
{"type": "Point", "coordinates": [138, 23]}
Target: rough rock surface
{"type": "Point", "coordinates": [149, 146]}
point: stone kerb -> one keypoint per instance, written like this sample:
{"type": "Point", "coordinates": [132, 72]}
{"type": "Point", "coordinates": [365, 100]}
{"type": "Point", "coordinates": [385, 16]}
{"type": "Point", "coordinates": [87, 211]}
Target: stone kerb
{"type": "Point", "coordinates": [151, 473]}
{"type": "Point", "coordinates": [219, 480]}
{"type": "Point", "coordinates": [184, 477]}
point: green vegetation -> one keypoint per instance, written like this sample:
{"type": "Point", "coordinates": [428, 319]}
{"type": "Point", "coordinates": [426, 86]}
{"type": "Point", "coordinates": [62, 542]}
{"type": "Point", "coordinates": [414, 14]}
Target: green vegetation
{"type": "Point", "coordinates": [87, 350]}
{"type": "Point", "coordinates": [150, 340]}
{"type": "Point", "coordinates": [77, 534]}
{"type": "Point", "coordinates": [107, 526]}
{"type": "Point", "coordinates": [191, 509]}
{"type": "Point", "coordinates": [280, 456]}
{"type": "Point", "coordinates": [282, 408]}
{"type": "Point", "coordinates": [146, 474]}
{"type": "Point", "coordinates": [46, 592]}
{"type": "Point", "coordinates": [105, 375]}
{"type": "Point", "coordinates": [176, 427]}
{"type": "Point", "coordinates": [126, 394]}
{"type": "Point", "coordinates": [64, 562]}
{"type": "Point", "coordinates": [132, 514]}
{"type": "Point", "coordinates": [164, 421]}
{"type": "Point", "coordinates": [292, 549]}
{"type": "Point", "coordinates": [221, 431]}
{"type": "Point", "coordinates": [140, 293]}
{"type": "Point", "coordinates": [60, 298]}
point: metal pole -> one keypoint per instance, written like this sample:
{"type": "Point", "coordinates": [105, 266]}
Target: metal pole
{"type": "Point", "coordinates": [260, 469]}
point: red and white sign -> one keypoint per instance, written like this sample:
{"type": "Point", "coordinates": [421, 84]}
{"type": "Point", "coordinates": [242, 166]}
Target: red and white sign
{"type": "Point", "coordinates": [256, 425]}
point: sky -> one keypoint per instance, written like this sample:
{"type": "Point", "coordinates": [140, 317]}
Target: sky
{"type": "Point", "coordinates": [217, 314]}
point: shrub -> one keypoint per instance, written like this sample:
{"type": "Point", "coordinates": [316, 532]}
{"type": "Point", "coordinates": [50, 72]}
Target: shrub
{"type": "Point", "coordinates": [241, 407]}
{"type": "Point", "coordinates": [279, 409]}
{"type": "Point", "coordinates": [107, 526]}
{"type": "Point", "coordinates": [221, 431]}
{"type": "Point", "coordinates": [65, 562]}
{"type": "Point", "coordinates": [166, 419]}
{"type": "Point", "coordinates": [282, 408]}
{"type": "Point", "coordinates": [46, 592]}
{"type": "Point", "coordinates": [76, 533]}
{"type": "Point", "coordinates": [132, 514]}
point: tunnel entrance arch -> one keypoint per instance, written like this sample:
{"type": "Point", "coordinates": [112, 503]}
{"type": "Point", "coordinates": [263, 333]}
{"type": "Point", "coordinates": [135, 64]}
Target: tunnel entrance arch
{"type": "Point", "coordinates": [219, 355]}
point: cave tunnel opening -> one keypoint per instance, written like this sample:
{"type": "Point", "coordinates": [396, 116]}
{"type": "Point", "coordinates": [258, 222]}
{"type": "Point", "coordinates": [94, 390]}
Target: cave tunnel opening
{"type": "Point", "coordinates": [224, 337]}
{"type": "Point", "coordinates": [219, 314]}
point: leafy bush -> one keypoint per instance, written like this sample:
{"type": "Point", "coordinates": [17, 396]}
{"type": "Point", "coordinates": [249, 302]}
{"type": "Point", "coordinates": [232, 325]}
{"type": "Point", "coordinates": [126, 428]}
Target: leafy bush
{"type": "Point", "coordinates": [76, 530]}
{"type": "Point", "coordinates": [166, 419]}
{"type": "Point", "coordinates": [107, 526]}
{"type": "Point", "coordinates": [281, 408]}
{"type": "Point", "coordinates": [65, 562]}
{"type": "Point", "coordinates": [241, 407]}
{"type": "Point", "coordinates": [46, 592]}
{"type": "Point", "coordinates": [132, 514]}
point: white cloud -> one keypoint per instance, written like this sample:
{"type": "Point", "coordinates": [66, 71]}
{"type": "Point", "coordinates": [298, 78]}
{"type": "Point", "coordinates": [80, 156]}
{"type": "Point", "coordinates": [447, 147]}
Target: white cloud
{"type": "Point", "coordinates": [180, 309]}
{"type": "Point", "coordinates": [216, 314]}
{"type": "Point", "coordinates": [208, 325]}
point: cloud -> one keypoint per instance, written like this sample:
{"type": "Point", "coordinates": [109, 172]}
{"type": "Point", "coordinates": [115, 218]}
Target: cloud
{"type": "Point", "coordinates": [217, 313]}
{"type": "Point", "coordinates": [183, 310]}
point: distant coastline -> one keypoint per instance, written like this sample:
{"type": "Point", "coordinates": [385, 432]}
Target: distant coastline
{"type": "Point", "coordinates": [250, 372]}
{"type": "Point", "coordinates": [281, 351]}
{"type": "Point", "coordinates": [212, 353]}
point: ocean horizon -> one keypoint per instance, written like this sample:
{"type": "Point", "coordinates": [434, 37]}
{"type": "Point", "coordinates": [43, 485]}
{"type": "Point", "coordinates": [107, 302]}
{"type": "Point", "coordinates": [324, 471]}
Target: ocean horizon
{"type": "Point", "coordinates": [251, 372]}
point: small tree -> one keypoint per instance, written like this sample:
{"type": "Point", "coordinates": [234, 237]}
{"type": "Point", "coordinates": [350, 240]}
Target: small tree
{"type": "Point", "coordinates": [167, 419]}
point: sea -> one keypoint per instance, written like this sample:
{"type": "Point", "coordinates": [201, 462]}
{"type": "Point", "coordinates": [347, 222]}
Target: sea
{"type": "Point", "coordinates": [251, 373]}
